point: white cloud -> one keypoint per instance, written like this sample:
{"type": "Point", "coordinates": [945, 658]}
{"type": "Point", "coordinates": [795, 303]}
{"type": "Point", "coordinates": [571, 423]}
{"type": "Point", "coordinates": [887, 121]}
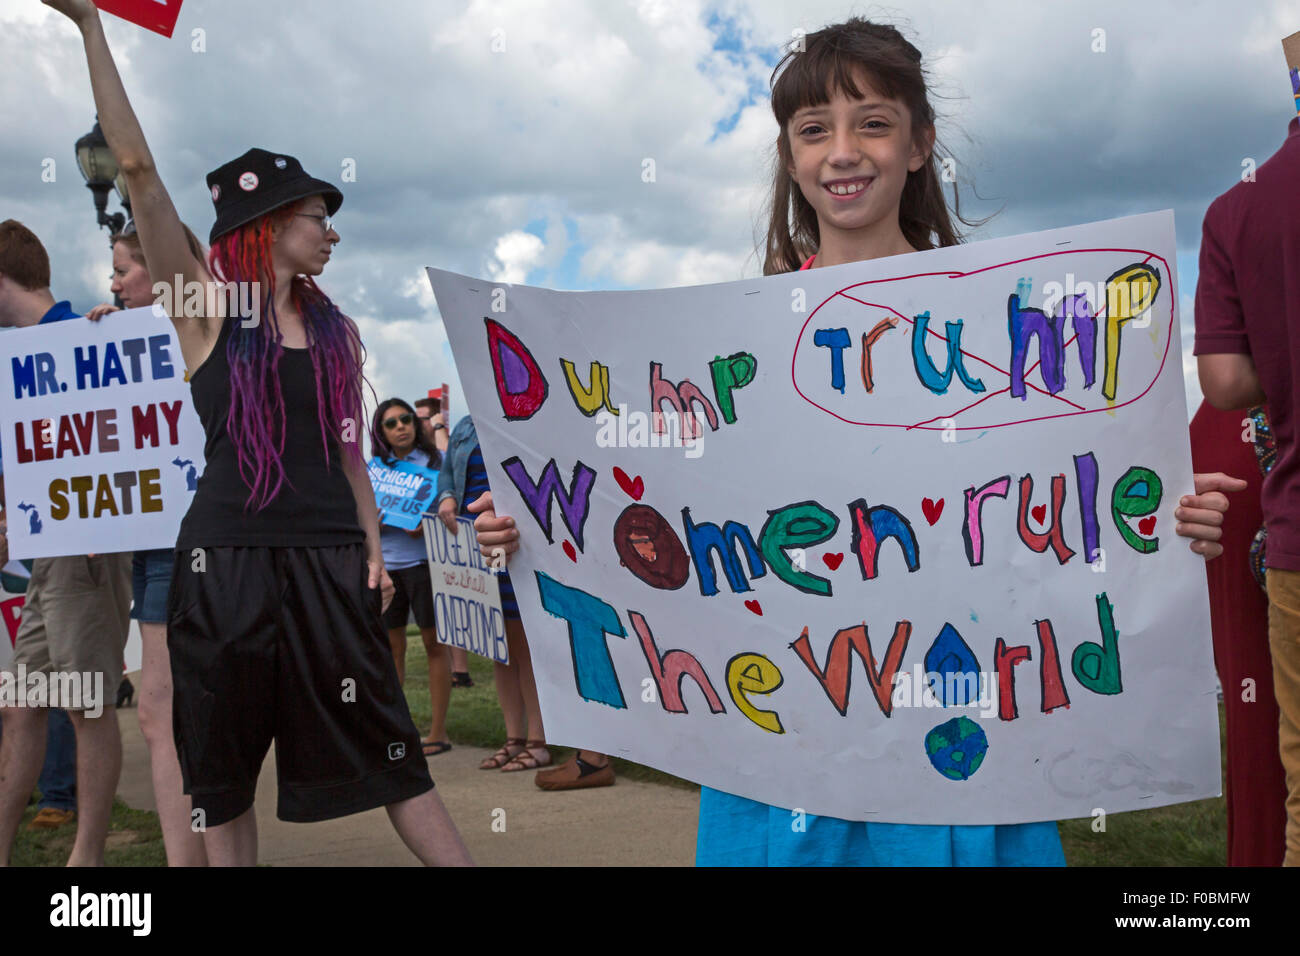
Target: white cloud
{"type": "Point", "coordinates": [417, 287]}
{"type": "Point", "coordinates": [407, 357]}
{"type": "Point", "coordinates": [514, 256]}
{"type": "Point", "coordinates": [462, 151]}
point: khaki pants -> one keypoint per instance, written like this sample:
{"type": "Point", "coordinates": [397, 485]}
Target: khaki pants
{"type": "Point", "coordinates": [76, 619]}
{"type": "Point", "coordinates": [1284, 643]}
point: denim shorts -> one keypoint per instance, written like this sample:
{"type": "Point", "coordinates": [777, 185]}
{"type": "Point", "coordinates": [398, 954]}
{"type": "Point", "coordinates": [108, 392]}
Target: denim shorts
{"type": "Point", "coordinates": [151, 575]}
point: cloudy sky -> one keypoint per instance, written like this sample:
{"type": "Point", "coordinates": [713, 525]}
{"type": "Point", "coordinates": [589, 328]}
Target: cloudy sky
{"type": "Point", "coordinates": [507, 139]}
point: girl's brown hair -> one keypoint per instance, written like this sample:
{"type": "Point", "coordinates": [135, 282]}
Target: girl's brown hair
{"type": "Point", "coordinates": [834, 59]}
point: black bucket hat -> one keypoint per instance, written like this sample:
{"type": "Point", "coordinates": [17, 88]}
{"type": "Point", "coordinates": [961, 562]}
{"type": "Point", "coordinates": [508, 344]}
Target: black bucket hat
{"type": "Point", "coordinates": [258, 182]}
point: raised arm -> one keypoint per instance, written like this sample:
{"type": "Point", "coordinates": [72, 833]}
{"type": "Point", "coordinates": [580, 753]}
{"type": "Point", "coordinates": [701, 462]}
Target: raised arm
{"type": "Point", "coordinates": [157, 223]}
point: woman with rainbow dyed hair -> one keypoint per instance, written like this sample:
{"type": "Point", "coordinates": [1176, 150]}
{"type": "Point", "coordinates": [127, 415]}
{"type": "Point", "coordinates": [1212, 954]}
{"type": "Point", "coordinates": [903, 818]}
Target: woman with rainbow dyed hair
{"type": "Point", "coordinates": [274, 630]}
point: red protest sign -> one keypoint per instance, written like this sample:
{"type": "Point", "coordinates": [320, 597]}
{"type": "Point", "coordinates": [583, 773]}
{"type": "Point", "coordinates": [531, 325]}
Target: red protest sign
{"type": "Point", "coordinates": [443, 395]}
{"type": "Point", "coordinates": [156, 15]}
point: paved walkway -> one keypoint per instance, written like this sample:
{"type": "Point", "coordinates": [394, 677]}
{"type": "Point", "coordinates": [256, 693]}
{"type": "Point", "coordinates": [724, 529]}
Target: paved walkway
{"type": "Point", "coordinates": [628, 824]}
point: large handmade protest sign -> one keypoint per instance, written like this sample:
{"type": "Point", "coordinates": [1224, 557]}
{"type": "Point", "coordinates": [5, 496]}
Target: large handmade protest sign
{"type": "Point", "coordinates": [902, 548]}
{"type": "Point", "coordinates": [466, 596]}
{"type": "Point", "coordinates": [102, 446]}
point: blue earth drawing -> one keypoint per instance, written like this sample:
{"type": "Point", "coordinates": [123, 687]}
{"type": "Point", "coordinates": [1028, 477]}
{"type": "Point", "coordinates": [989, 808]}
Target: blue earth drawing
{"type": "Point", "coordinates": [956, 748]}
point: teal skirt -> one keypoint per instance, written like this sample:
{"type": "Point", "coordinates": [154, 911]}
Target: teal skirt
{"type": "Point", "coordinates": [734, 831]}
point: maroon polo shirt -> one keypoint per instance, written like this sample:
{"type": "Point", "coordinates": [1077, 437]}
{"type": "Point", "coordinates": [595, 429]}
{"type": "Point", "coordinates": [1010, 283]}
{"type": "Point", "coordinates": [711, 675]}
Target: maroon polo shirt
{"type": "Point", "coordinates": [1248, 302]}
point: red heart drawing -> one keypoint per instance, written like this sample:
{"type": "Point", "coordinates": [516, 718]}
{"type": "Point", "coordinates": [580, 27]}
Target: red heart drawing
{"type": "Point", "coordinates": [1147, 525]}
{"type": "Point", "coordinates": [1039, 512]}
{"type": "Point", "coordinates": [634, 487]}
{"type": "Point", "coordinates": [568, 549]}
{"type": "Point", "coordinates": [755, 607]}
{"type": "Point", "coordinates": [833, 560]}
{"type": "Point", "coordinates": [932, 509]}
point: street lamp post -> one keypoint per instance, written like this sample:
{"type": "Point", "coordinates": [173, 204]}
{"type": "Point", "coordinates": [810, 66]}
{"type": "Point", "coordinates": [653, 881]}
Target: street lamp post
{"type": "Point", "coordinates": [99, 168]}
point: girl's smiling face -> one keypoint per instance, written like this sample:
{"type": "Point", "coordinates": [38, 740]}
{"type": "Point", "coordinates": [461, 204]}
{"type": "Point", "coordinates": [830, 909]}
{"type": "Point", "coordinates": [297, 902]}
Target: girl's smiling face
{"type": "Point", "coordinates": [850, 157]}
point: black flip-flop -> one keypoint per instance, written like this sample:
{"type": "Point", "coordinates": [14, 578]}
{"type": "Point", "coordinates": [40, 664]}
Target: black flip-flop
{"type": "Point", "coordinates": [433, 748]}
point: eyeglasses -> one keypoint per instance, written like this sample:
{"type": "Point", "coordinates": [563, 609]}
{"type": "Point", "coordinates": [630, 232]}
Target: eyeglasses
{"type": "Point", "coordinates": [326, 223]}
{"type": "Point", "coordinates": [405, 419]}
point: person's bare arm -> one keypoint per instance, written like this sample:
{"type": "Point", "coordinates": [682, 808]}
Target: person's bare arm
{"type": "Point", "coordinates": [161, 235]}
{"type": "Point", "coordinates": [441, 436]}
{"type": "Point", "coordinates": [368, 518]}
{"type": "Point", "coordinates": [1229, 380]}
{"type": "Point", "coordinates": [364, 493]}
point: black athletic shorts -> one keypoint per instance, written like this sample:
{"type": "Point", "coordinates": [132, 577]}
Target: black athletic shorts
{"type": "Point", "coordinates": [287, 644]}
{"type": "Point", "coordinates": [412, 592]}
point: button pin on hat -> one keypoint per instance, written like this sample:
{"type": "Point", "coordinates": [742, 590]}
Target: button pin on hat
{"type": "Point", "coordinates": [281, 162]}
{"type": "Point", "coordinates": [248, 182]}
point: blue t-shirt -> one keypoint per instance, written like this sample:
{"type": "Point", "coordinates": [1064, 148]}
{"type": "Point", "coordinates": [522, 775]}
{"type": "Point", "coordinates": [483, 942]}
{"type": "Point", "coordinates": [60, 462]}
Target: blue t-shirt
{"type": "Point", "coordinates": [400, 549]}
{"type": "Point", "coordinates": [735, 831]}
{"type": "Point", "coordinates": [58, 312]}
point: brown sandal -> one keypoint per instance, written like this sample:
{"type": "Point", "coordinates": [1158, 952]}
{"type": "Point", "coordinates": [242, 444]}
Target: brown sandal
{"type": "Point", "coordinates": [509, 750]}
{"type": "Point", "coordinates": [527, 758]}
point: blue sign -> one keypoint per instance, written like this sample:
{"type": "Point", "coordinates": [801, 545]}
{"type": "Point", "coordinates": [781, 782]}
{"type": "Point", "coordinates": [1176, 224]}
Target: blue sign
{"type": "Point", "coordinates": [403, 492]}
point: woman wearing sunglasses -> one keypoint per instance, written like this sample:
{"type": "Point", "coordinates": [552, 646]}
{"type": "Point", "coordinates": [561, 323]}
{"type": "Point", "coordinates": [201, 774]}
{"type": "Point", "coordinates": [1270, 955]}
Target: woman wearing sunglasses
{"type": "Point", "coordinates": [396, 435]}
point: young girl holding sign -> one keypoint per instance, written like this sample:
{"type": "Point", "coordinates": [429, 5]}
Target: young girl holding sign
{"type": "Point", "coordinates": [856, 179]}
{"type": "Point", "coordinates": [273, 616]}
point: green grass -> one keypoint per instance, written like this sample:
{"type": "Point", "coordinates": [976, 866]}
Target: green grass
{"type": "Point", "coordinates": [474, 718]}
{"type": "Point", "coordinates": [134, 839]}
{"type": "Point", "coordinates": [1186, 834]}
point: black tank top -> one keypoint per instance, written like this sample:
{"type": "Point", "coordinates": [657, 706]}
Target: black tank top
{"type": "Point", "coordinates": [315, 505]}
